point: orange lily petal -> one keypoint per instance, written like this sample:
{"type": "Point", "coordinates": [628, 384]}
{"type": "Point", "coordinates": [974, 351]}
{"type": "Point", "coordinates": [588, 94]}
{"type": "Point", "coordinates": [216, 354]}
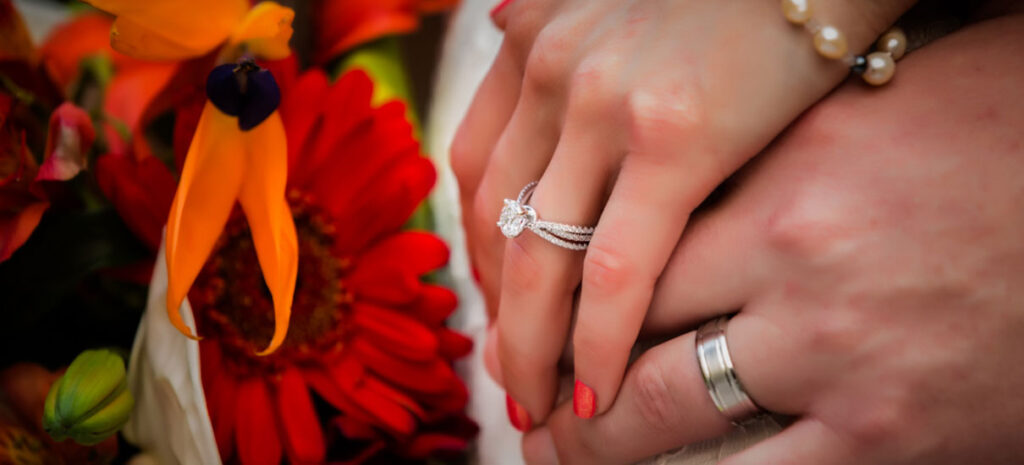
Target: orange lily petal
{"type": "Point", "coordinates": [210, 182]}
{"type": "Point", "coordinates": [171, 29]}
{"type": "Point", "coordinates": [270, 218]}
{"type": "Point", "coordinates": [266, 30]}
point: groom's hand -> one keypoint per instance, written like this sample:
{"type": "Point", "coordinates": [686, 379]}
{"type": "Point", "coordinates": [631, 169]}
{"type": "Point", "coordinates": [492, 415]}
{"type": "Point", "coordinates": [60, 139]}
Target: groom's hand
{"type": "Point", "coordinates": [875, 256]}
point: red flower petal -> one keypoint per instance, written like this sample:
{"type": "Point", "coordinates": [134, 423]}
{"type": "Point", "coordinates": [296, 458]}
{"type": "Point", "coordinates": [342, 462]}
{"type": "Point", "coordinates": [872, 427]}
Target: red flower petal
{"type": "Point", "coordinates": [300, 119]}
{"type": "Point", "coordinates": [221, 396]}
{"type": "Point", "coordinates": [454, 345]}
{"type": "Point", "coordinates": [256, 433]}
{"type": "Point", "coordinates": [343, 24]}
{"type": "Point", "coordinates": [389, 271]}
{"type": "Point", "coordinates": [354, 428]}
{"type": "Point", "coordinates": [426, 445]}
{"type": "Point", "coordinates": [435, 304]}
{"type": "Point", "coordinates": [83, 36]}
{"type": "Point", "coordinates": [141, 190]}
{"type": "Point", "coordinates": [303, 437]}
{"type": "Point", "coordinates": [130, 94]}
{"type": "Point", "coordinates": [396, 396]}
{"type": "Point", "coordinates": [393, 201]}
{"type": "Point", "coordinates": [430, 377]}
{"type": "Point", "coordinates": [389, 413]}
{"type": "Point", "coordinates": [395, 332]}
{"type": "Point", "coordinates": [15, 229]}
{"type": "Point", "coordinates": [186, 120]}
{"type": "Point", "coordinates": [345, 112]}
{"type": "Point", "coordinates": [67, 143]}
{"type": "Point", "coordinates": [414, 252]}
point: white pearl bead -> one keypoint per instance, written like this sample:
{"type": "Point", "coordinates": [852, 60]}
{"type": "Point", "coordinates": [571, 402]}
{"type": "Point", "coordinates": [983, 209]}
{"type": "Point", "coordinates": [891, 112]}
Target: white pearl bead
{"type": "Point", "coordinates": [797, 11]}
{"type": "Point", "coordinates": [830, 42]}
{"type": "Point", "coordinates": [880, 68]}
{"type": "Point", "coordinates": [894, 42]}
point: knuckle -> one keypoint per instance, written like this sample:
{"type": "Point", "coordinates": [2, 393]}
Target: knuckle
{"type": "Point", "coordinates": [465, 160]}
{"type": "Point", "coordinates": [593, 92]}
{"type": "Point", "coordinates": [607, 270]}
{"type": "Point", "coordinates": [547, 66]}
{"type": "Point", "coordinates": [805, 231]}
{"type": "Point", "coordinates": [523, 25]}
{"type": "Point", "coordinates": [655, 402]}
{"type": "Point", "coordinates": [835, 332]}
{"type": "Point", "coordinates": [878, 426]}
{"type": "Point", "coordinates": [656, 116]}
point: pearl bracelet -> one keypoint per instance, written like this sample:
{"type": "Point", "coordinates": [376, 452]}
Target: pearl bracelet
{"type": "Point", "coordinates": [876, 68]}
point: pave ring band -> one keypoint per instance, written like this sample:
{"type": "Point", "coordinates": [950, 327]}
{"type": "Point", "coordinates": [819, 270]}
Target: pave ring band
{"type": "Point", "coordinates": [719, 374]}
{"type": "Point", "coordinates": [518, 216]}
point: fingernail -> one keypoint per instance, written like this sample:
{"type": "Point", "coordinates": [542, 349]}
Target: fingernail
{"type": "Point", "coordinates": [584, 401]}
{"type": "Point", "coordinates": [497, 9]}
{"type": "Point", "coordinates": [517, 414]}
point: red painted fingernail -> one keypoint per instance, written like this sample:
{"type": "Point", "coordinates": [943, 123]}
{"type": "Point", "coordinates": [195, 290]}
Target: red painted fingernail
{"type": "Point", "coordinates": [517, 415]}
{"type": "Point", "coordinates": [497, 9]}
{"type": "Point", "coordinates": [584, 401]}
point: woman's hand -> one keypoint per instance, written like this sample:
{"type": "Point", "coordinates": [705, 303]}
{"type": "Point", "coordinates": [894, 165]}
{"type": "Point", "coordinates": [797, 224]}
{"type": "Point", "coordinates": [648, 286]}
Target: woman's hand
{"type": "Point", "coordinates": [876, 256]}
{"type": "Point", "coordinates": [629, 114]}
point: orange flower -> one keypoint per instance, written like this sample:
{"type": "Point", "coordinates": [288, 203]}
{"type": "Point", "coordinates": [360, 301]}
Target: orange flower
{"type": "Point", "coordinates": [175, 29]}
{"type": "Point", "coordinates": [344, 24]}
{"type": "Point", "coordinates": [238, 152]}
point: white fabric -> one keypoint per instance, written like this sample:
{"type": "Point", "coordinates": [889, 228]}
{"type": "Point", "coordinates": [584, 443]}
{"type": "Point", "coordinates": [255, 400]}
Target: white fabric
{"type": "Point", "coordinates": [170, 421]}
{"type": "Point", "coordinates": [472, 43]}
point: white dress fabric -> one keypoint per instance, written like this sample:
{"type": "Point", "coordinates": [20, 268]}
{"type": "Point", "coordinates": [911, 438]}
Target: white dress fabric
{"type": "Point", "coordinates": [471, 44]}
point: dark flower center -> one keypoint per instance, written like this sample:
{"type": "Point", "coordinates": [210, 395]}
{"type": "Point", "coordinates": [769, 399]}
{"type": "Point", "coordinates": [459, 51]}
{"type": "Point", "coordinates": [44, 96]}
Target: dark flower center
{"type": "Point", "coordinates": [233, 303]}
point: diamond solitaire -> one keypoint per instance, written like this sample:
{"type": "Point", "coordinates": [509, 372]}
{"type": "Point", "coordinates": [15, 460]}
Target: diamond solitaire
{"type": "Point", "coordinates": [517, 216]}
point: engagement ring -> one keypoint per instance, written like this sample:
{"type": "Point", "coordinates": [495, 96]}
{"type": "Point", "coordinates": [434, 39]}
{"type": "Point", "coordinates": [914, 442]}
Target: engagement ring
{"type": "Point", "coordinates": [517, 216]}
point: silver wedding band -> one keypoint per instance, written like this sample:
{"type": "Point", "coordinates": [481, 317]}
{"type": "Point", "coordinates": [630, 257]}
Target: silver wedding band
{"type": "Point", "coordinates": [518, 216]}
{"type": "Point", "coordinates": [719, 374]}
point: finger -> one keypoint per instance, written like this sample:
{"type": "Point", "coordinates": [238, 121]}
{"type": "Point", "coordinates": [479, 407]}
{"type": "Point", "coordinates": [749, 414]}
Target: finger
{"type": "Point", "coordinates": [491, 363]}
{"type": "Point", "coordinates": [807, 441]}
{"type": "Point", "coordinates": [638, 230]}
{"type": "Point", "coordinates": [664, 404]}
{"type": "Point", "coordinates": [471, 151]}
{"type": "Point", "coordinates": [720, 263]}
{"type": "Point", "coordinates": [520, 157]}
{"type": "Point", "coordinates": [486, 118]}
{"type": "Point", "coordinates": [539, 278]}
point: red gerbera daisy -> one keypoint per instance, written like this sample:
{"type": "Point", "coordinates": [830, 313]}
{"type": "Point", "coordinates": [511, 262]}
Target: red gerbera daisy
{"type": "Point", "coordinates": [367, 336]}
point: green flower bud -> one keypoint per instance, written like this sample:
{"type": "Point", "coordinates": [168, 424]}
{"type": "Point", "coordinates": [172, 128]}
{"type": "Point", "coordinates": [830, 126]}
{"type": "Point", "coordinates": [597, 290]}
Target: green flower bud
{"type": "Point", "coordinates": [91, 402]}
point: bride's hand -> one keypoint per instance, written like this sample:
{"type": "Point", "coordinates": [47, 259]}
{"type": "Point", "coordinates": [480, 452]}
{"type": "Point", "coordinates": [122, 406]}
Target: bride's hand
{"type": "Point", "coordinates": [876, 256]}
{"type": "Point", "coordinates": [629, 114]}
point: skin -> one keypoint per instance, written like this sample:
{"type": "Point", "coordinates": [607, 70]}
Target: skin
{"type": "Point", "coordinates": [875, 255]}
{"type": "Point", "coordinates": [627, 130]}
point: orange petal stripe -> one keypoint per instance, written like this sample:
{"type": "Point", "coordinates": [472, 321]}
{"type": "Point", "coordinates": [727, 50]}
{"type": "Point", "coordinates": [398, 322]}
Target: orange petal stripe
{"type": "Point", "coordinates": [171, 29]}
{"type": "Point", "coordinates": [270, 218]}
{"type": "Point", "coordinates": [210, 182]}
